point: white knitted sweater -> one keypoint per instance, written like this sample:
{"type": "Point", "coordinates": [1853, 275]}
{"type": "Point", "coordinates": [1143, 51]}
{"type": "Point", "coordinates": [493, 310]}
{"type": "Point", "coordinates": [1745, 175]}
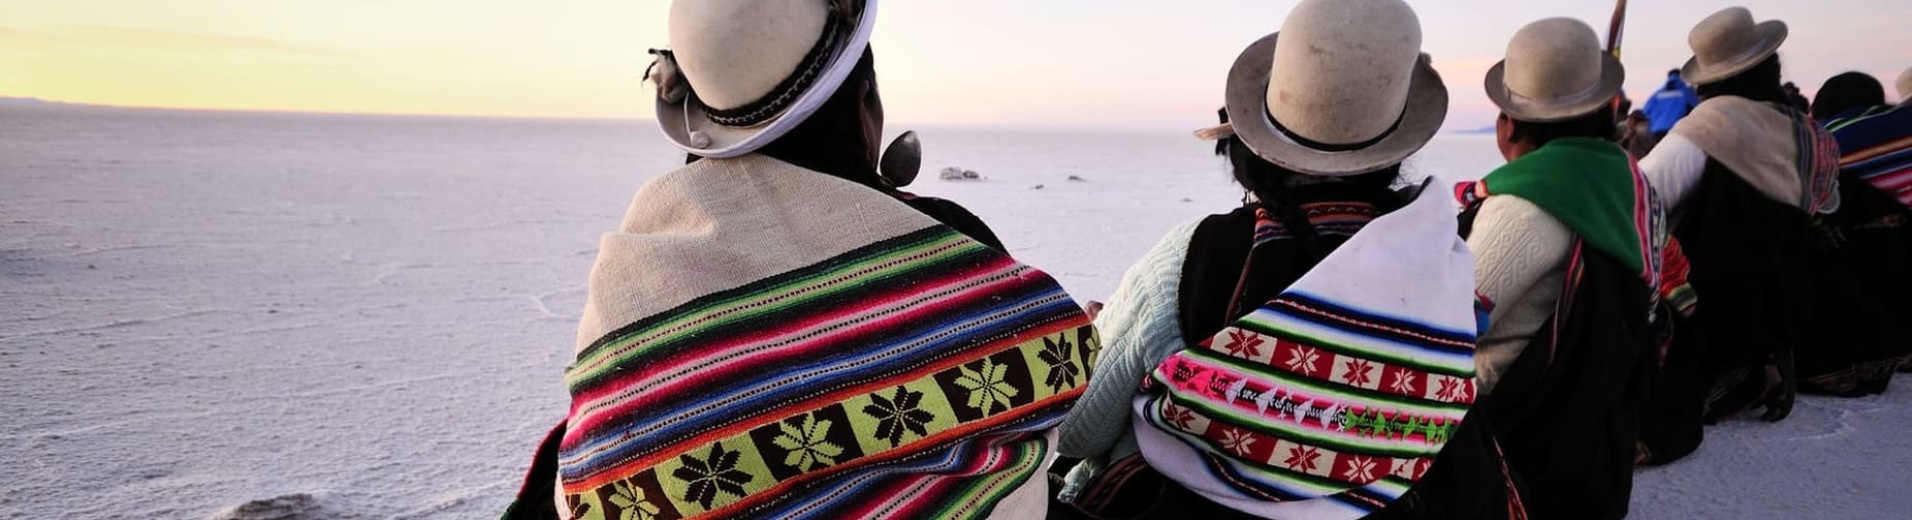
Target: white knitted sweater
{"type": "Point", "coordinates": [1520, 263]}
{"type": "Point", "coordinates": [1140, 326]}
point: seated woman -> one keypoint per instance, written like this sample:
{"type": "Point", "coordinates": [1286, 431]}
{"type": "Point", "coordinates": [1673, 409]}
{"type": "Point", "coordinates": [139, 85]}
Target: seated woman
{"type": "Point", "coordinates": [1865, 289]}
{"type": "Point", "coordinates": [1744, 177]}
{"type": "Point", "coordinates": [1568, 241]}
{"type": "Point", "coordinates": [1309, 355]}
{"type": "Point", "coordinates": [776, 332]}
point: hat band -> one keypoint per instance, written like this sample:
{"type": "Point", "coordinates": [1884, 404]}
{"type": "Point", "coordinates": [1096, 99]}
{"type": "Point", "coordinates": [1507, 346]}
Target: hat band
{"type": "Point", "coordinates": [762, 110]}
{"type": "Point", "coordinates": [1567, 100]}
{"type": "Point", "coordinates": [1334, 148]}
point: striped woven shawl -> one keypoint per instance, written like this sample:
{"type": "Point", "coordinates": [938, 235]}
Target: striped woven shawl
{"type": "Point", "coordinates": [1333, 399]}
{"type": "Point", "coordinates": [1777, 149]}
{"type": "Point", "coordinates": [763, 341]}
{"type": "Point", "coordinates": [1878, 149]}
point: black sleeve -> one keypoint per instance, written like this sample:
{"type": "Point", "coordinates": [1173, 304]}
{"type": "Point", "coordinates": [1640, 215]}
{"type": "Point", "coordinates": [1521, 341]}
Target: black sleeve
{"type": "Point", "coordinates": [954, 216]}
{"type": "Point", "coordinates": [1217, 253]}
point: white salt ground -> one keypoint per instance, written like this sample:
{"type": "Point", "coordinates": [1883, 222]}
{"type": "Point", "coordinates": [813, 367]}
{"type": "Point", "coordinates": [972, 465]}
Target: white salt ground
{"type": "Point", "coordinates": [248, 316]}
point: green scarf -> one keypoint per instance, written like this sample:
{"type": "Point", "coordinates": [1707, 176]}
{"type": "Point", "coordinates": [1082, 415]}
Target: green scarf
{"type": "Point", "coordinates": [1589, 185]}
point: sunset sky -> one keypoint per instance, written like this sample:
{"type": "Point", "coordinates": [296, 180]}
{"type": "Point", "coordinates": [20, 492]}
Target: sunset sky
{"type": "Point", "coordinates": [1067, 63]}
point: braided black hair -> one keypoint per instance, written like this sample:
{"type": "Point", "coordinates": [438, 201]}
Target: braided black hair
{"type": "Point", "coordinates": [1273, 186]}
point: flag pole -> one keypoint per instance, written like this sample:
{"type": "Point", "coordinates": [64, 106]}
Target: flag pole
{"type": "Point", "coordinates": [1616, 32]}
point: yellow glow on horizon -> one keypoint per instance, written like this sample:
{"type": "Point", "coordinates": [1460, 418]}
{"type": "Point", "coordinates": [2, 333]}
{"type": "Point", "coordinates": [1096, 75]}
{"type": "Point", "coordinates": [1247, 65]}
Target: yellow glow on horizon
{"type": "Point", "coordinates": [966, 63]}
{"type": "Point", "coordinates": [582, 59]}
{"type": "Point", "coordinates": [974, 61]}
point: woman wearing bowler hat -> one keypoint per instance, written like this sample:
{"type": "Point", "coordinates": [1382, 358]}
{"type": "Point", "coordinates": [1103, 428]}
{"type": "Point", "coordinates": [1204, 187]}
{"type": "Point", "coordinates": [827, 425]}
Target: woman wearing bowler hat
{"type": "Point", "coordinates": [1309, 355]}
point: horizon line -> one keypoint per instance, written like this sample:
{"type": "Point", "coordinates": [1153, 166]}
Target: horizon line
{"type": "Point", "coordinates": [1451, 127]}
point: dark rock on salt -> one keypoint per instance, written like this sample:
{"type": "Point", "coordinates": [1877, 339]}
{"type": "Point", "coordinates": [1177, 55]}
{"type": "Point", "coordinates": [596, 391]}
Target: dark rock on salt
{"type": "Point", "coordinates": [296, 506]}
{"type": "Point", "coordinates": [959, 174]}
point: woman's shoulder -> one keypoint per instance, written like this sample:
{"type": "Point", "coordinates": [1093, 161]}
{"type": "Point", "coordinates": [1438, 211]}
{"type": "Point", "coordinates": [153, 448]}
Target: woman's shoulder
{"type": "Point", "coordinates": [1516, 210]}
{"type": "Point", "coordinates": [1237, 223]}
{"type": "Point", "coordinates": [1172, 249]}
{"type": "Point", "coordinates": [954, 215]}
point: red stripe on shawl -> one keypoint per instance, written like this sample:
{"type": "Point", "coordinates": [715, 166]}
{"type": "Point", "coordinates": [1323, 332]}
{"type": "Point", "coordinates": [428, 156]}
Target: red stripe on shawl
{"type": "Point", "coordinates": [1893, 181]}
{"type": "Point", "coordinates": [1854, 157]}
{"type": "Point", "coordinates": [1643, 224]}
{"type": "Point", "coordinates": [741, 365]}
{"type": "Point", "coordinates": [600, 360]}
{"type": "Point", "coordinates": [1576, 272]}
{"type": "Point", "coordinates": [955, 272]}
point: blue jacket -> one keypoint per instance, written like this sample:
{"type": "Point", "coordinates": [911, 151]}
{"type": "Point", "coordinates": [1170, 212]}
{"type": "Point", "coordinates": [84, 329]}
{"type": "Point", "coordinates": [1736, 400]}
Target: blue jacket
{"type": "Point", "coordinates": [1670, 104]}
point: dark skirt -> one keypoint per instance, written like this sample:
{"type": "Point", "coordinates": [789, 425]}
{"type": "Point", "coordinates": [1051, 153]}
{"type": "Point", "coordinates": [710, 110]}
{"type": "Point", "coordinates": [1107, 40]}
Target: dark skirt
{"type": "Point", "coordinates": [1568, 410]}
{"type": "Point", "coordinates": [1671, 421]}
{"type": "Point", "coordinates": [1863, 295]}
{"type": "Point", "coordinates": [1751, 258]}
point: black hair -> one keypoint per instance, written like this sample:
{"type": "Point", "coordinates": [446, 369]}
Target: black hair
{"type": "Point", "coordinates": [1272, 186]}
{"type": "Point", "coordinates": [1599, 125]}
{"type": "Point", "coordinates": [1846, 92]}
{"type": "Point", "coordinates": [1796, 98]}
{"type": "Point", "coordinates": [1760, 83]}
{"type": "Point", "coordinates": [831, 140]}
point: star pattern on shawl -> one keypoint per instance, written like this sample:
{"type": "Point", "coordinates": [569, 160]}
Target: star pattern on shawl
{"type": "Point", "coordinates": [1404, 382]}
{"type": "Point", "coordinates": [1302, 459]}
{"type": "Point", "coordinates": [1244, 344]}
{"type": "Point", "coordinates": [713, 474]}
{"type": "Point", "coordinates": [898, 415]}
{"type": "Point", "coordinates": [1059, 355]}
{"type": "Point", "coordinates": [1182, 418]}
{"type": "Point", "coordinates": [1237, 441]}
{"type": "Point", "coordinates": [1452, 390]}
{"type": "Point", "coordinates": [631, 502]}
{"type": "Point", "coordinates": [1360, 470]}
{"type": "Point", "coordinates": [580, 508]}
{"type": "Point", "coordinates": [988, 386]}
{"type": "Point", "coordinates": [1358, 372]}
{"type": "Point", "coordinates": [808, 449]}
{"type": "Point", "coordinates": [1303, 361]}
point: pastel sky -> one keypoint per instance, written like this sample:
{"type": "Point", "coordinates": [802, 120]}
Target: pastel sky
{"type": "Point", "coordinates": [1069, 63]}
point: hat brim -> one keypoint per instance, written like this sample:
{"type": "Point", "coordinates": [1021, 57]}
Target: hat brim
{"type": "Point", "coordinates": [1772, 34]}
{"type": "Point", "coordinates": [680, 120]}
{"type": "Point", "coordinates": [1613, 77]}
{"type": "Point", "coordinates": [1247, 98]}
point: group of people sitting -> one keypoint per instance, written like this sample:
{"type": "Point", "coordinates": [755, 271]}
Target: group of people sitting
{"type": "Point", "coordinates": [778, 330]}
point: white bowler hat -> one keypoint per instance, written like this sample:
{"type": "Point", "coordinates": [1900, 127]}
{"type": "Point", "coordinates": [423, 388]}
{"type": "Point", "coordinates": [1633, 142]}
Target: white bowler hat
{"type": "Point", "coordinates": [1555, 70]}
{"type": "Point", "coordinates": [1345, 92]}
{"type": "Point", "coordinates": [742, 73]}
{"type": "Point", "coordinates": [1728, 43]}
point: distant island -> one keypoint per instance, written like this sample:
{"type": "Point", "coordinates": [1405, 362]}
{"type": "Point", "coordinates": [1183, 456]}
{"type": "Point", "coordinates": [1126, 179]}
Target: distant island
{"type": "Point", "coordinates": [7, 101]}
{"type": "Point", "coordinates": [1482, 130]}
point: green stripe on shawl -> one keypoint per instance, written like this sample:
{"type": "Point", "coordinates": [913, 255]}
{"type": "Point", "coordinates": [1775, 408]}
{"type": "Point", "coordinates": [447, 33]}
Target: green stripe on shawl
{"type": "Point", "coordinates": [1585, 183]}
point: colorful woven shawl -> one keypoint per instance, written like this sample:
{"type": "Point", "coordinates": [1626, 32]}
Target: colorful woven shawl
{"type": "Point", "coordinates": [1339, 219]}
{"type": "Point", "coordinates": [1878, 149]}
{"type": "Point", "coordinates": [1777, 149]}
{"type": "Point", "coordinates": [763, 341]}
{"type": "Point", "coordinates": [1333, 399]}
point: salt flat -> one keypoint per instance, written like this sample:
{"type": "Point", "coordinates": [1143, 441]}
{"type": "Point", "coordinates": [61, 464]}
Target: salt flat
{"type": "Point", "coordinates": [369, 317]}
